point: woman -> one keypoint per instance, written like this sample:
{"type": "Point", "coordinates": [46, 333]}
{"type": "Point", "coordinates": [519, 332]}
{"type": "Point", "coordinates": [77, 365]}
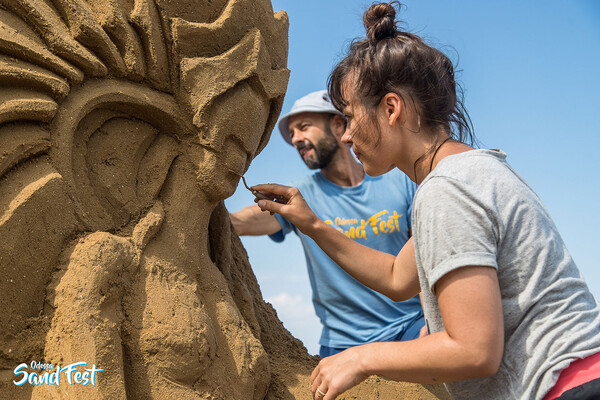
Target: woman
{"type": "Point", "coordinates": [507, 310]}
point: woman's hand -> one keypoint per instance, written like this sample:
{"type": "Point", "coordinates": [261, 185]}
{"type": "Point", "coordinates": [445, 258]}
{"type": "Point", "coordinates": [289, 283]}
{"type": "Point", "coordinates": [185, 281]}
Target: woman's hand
{"type": "Point", "coordinates": [338, 373]}
{"type": "Point", "coordinates": [288, 203]}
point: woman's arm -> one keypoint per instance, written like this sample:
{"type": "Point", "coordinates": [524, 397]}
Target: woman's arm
{"type": "Point", "coordinates": [394, 276]}
{"type": "Point", "coordinates": [471, 346]}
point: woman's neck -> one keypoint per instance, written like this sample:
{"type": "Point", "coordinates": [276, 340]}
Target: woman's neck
{"type": "Point", "coordinates": [435, 153]}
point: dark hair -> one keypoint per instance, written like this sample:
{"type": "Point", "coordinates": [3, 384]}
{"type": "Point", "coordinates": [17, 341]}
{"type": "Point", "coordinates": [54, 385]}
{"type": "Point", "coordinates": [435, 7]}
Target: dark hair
{"type": "Point", "coordinates": [390, 60]}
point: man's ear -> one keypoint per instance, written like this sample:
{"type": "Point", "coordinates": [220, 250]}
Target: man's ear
{"type": "Point", "coordinates": [337, 123]}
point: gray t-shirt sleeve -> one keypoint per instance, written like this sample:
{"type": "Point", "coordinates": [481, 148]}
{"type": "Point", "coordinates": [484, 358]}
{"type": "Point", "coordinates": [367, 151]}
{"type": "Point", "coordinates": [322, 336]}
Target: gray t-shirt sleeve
{"type": "Point", "coordinates": [457, 227]}
{"type": "Point", "coordinates": [473, 209]}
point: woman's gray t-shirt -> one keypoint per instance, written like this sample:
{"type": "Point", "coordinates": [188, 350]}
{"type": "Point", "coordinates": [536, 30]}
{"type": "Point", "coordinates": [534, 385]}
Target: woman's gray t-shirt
{"type": "Point", "coordinates": [474, 209]}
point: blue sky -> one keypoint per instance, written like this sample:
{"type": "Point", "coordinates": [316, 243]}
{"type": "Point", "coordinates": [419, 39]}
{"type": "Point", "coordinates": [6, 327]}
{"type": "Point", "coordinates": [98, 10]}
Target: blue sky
{"type": "Point", "coordinates": [531, 75]}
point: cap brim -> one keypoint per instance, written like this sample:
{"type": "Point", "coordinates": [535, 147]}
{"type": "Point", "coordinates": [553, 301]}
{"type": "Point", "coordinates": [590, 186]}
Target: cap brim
{"type": "Point", "coordinates": [283, 128]}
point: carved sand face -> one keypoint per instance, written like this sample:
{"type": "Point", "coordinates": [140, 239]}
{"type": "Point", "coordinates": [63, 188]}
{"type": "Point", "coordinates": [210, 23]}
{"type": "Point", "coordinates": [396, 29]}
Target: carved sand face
{"type": "Point", "coordinates": [108, 108]}
{"type": "Point", "coordinates": [240, 117]}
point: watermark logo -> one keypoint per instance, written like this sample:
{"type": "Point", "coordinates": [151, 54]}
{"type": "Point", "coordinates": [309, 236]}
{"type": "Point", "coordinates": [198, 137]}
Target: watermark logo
{"type": "Point", "coordinates": [33, 374]}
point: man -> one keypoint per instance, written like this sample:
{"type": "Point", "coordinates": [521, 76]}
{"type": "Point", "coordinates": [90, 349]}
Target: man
{"type": "Point", "coordinates": [374, 211]}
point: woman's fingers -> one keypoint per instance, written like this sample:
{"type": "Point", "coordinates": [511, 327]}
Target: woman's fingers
{"type": "Point", "coordinates": [272, 188]}
{"type": "Point", "coordinates": [315, 379]}
{"type": "Point", "coordinates": [288, 202]}
{"type": "Point", "coordinates": [274, 192]}
{"type": "Point", "coordinates": [314, 376]}
{"type": "Point", "coordinates": [330, 395]}
{"type": "Point", "coordinates": [271, 206]}
{"type": "Point", "coordinates": [322, 392]}
{"type": "Point", "coordinates": [321, 389]}
{"type": "Point", "coordinates": [317, 386]}
{"type": "Point", "coordinates": [336, 374]}
{"type": "Point", "coordinates": [320, 380]}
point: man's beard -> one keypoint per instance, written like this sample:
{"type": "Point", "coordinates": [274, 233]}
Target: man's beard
{"type": "Point", "coordinates": [325, 149]}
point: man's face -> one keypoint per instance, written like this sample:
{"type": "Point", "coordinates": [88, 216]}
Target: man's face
{"type": "Point", "coordinates": [311, 135]}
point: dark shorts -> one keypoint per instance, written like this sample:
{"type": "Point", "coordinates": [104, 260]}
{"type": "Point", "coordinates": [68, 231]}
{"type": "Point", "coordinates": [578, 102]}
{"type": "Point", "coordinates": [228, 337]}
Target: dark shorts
{"type": "Point", "coordinates": [588, 391]}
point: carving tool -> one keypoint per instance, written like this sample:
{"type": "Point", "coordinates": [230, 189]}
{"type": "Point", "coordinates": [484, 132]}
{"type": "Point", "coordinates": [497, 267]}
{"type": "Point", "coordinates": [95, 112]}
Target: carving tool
{"type": "Point", "coordinates": [257, 194]}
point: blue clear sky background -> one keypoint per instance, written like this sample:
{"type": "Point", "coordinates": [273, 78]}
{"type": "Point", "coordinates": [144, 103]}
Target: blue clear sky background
{"type": "Point", "coordinates": [531, 75]}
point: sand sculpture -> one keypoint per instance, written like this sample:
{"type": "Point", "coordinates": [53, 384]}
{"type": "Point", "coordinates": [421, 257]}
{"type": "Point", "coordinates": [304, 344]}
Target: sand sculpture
{"type": "Point", "coordinates": [123, 126]}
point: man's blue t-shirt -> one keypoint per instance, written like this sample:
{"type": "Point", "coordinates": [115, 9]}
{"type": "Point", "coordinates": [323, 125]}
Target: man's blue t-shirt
{"type": "Point", "coordinates": [375, 213]}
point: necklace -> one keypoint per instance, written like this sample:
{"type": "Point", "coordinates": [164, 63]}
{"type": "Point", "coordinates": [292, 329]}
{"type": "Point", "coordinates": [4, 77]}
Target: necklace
{"type": "Point", "coordinates": [435, 152]}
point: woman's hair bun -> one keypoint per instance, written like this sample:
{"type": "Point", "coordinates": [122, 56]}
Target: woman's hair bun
{"type": "Point", "coordinates": [380, 21]}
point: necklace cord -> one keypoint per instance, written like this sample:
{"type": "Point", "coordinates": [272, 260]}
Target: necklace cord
{"type": "Point", "coordinates": [436, 151]}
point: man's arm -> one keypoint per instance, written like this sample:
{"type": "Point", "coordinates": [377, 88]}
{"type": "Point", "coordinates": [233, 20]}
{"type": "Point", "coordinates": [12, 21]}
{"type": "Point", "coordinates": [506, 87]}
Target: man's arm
{"type": "Point", "coordinates": [251, 221]}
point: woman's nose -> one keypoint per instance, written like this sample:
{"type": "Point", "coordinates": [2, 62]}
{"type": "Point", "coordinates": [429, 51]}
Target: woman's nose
{"type": "Point", "coordinates": [347, 136]}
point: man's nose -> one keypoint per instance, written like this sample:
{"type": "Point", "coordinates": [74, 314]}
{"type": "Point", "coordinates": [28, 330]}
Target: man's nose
{"type": "Point", "coordinates": [297, 137]}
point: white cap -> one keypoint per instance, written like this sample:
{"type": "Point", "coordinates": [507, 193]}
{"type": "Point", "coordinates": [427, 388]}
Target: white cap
{"type": "Point", "coordinates": [318, 102]}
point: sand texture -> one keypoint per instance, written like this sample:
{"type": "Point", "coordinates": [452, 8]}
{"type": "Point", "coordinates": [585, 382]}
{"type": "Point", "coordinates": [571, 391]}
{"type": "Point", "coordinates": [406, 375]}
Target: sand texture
{"type": "Point", "coordinates": [124, 124]}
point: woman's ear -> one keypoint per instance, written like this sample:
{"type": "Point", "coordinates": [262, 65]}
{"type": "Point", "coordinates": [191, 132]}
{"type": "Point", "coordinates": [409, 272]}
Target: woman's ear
{"type": "Point", "coordinates": [392, 105]}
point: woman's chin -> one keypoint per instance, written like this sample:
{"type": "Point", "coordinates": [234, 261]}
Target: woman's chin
{"type": "Point", "coordinates": [372, 170]}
